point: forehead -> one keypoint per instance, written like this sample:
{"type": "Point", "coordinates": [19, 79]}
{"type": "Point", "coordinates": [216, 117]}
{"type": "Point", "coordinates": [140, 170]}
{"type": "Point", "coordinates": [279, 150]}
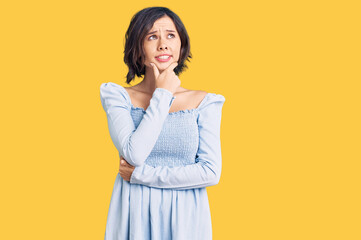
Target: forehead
{"type": "Point", "coordinates": [163, 23]}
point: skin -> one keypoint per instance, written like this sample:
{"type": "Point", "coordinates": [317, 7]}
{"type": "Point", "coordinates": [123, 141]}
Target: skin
{"type": "Point", "coordinates": [157, 74]}
{"type": "Point", "coordinates": [154, 44]}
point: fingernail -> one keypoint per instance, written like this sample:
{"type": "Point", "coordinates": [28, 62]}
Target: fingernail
{"type": "Point", "coordinates": [122, 161]}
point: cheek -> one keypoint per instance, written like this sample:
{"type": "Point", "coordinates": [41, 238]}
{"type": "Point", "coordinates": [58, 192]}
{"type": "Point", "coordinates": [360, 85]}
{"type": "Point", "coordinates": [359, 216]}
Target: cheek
{"type": "Point", "coordinates": [146, 49]}
{"type": "Point", "coordinates": [178, 47]}
{"type": "Point", "coordinates": [178, 54]}
{"type": "Point", "coordinates": [146, 57]}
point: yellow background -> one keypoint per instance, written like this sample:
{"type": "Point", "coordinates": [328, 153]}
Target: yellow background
{"type": "Point", "coordinates": [290, 73]}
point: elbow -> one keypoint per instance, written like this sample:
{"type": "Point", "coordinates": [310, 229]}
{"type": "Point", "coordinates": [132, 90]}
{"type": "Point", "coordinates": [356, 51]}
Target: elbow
{"type": "Point", "coordinates": [134, 158]}
{"type": "Point", "coordinates": [215, 179]}
{"type": "Point", "coordinates": [133, 155]}
{"type": "Point", "coordinates": [211, 171]}
{"type": "Point", "coordinates": [135, 161]}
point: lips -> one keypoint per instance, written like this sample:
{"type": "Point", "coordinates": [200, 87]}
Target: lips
{"type": "Point", "coordinates": [163, 57]}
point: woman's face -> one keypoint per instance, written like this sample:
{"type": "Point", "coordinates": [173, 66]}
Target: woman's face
{"type": "Point", "coordinates": [163, 38]}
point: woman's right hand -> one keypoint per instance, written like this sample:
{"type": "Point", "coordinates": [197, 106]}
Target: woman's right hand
{"type": "Point", "coordinates": [167, 79]}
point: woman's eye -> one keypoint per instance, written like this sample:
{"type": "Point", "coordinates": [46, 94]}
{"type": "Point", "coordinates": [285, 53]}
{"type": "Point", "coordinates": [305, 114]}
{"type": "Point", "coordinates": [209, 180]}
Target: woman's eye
{"type": "Point", "coordinates": [156, 35]}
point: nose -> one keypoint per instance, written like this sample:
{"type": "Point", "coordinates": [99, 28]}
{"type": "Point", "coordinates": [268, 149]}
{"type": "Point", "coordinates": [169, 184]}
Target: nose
{"type": "Point", "coordinates": [162, 45]}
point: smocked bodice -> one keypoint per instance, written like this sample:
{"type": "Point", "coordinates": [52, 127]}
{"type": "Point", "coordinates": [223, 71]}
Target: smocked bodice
{"type": "Point", "coordinates": [178, 141]}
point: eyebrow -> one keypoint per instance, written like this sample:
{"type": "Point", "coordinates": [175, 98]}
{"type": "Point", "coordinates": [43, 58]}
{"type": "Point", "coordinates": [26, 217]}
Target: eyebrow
{"type": "Point", "coordinates": [157, 31]}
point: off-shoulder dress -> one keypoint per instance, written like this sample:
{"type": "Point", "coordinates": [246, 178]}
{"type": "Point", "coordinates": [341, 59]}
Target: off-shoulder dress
{"type": "Point", "coordinates": [176, 156]}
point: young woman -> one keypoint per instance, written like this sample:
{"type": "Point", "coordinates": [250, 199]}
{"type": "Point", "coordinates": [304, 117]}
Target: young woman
{"type": "Point", "coordinates": [168, 137]}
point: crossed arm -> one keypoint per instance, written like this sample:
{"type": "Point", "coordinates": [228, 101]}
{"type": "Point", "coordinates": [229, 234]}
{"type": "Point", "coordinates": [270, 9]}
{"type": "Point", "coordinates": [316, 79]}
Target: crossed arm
{"type": "Point", "coordinates": [206, 170]}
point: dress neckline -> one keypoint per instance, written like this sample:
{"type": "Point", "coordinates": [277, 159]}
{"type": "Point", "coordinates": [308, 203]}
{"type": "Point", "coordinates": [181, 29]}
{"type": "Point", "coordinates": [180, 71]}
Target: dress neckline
{"type": "Point", "coordinates": [170, 113]}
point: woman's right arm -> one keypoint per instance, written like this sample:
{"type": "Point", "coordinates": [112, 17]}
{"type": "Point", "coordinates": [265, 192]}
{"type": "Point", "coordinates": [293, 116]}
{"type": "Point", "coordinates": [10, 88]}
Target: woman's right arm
{"type": "Point", "coordinates": [134, 144]}
{"type": "Point", "coordinates": [206, 171]}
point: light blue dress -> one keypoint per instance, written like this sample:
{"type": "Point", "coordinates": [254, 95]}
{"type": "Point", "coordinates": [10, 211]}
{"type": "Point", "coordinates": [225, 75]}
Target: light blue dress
{"type": "Point", "coordinates": [176, 156]}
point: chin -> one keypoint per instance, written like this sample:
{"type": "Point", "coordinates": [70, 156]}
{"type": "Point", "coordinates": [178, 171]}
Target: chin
{"type": "Point", "coordinates": [163, 65]}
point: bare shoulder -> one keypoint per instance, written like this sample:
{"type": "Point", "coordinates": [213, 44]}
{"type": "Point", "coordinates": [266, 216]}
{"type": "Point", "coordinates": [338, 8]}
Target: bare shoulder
{"type": "Point", "coordinates": [138, 97]}
{"type": "Point", "coordinates": [134, 92]}
{"type": "Point", "coordinates": [129, 89]}
{"type": "Point", "coordinates": [190, 98]}
{"type": "Point", "coordinates": [185, 98]}
{"type": "Point", "coordinates": [199, 96]}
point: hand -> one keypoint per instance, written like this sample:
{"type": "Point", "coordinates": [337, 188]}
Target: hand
{"type": "Point", "coordinates": [125, 169]}
{"type": "Point", "coordinates": [167, 79]}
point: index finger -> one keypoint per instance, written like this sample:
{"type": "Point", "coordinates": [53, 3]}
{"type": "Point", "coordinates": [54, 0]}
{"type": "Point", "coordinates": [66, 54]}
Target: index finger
{"type": "Point", "coordinates": [155, 70]}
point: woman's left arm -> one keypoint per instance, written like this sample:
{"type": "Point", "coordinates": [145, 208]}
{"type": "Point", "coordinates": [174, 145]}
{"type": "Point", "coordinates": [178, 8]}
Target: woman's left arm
{"type": "Point", "coordinates": [207, 169]}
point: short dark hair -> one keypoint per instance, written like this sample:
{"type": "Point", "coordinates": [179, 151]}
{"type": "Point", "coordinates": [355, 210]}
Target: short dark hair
{"type": "Point", "coordinates": [139, 26]}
